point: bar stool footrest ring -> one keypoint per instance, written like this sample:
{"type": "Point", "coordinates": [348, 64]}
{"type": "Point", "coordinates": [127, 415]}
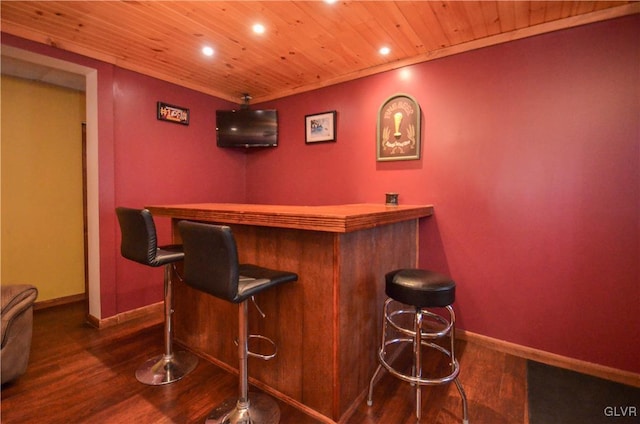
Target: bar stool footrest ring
{"type": "Point", "coordinates": [419, 380]}
{"type": "Point", "coordinates": [447, 325]}
{"type": "Point", "coordinates": [262, 356]}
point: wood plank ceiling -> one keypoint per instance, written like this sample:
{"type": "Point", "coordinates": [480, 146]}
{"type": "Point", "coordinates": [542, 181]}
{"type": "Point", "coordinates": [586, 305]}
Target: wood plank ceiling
{"type": "Point", "coordinates": [306, 44]}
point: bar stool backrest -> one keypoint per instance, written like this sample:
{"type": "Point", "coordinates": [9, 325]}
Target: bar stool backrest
{"type": "Point", "coordinates": [139, 240]}
{"type": "Point", "coordinates": [211, 259]}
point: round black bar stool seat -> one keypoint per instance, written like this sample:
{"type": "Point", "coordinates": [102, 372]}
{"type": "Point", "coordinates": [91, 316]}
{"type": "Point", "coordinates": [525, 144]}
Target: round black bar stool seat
{"type": "Point", "coordinates": [420, 288]}
{"type": "Point", "coordinates": [412, 292]}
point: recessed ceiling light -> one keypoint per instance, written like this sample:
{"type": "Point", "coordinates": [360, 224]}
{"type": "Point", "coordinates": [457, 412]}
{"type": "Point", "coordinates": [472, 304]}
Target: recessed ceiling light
{"type": "Point", "coordinates": [330, 1]}
{"type": "Point", "coordinates": [384, 50]}
{"type": "Point", "coordinates": [258, 28]}
{"type": "Point", "coordinates": [207, 51]}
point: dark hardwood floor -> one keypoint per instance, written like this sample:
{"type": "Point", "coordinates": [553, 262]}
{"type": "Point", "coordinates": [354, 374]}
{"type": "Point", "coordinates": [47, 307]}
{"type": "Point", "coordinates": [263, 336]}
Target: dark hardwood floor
{"type": "Point", "coordinates": [78, 374]}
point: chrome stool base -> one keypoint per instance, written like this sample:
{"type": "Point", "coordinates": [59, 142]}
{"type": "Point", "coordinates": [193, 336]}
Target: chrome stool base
{"type": "Point", "coordinates": [165, 369]}
{"type": "Point", "coordinates": [260, 409]}
{"type": "Point", "coordinates": [170, 366]}
{"type": "Point", "coordinates": [418, 337]}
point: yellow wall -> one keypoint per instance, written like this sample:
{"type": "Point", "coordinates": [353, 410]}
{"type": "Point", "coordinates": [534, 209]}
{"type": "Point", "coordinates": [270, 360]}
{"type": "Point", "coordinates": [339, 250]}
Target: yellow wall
{"type": "Point", "coordinates": [42, 205]}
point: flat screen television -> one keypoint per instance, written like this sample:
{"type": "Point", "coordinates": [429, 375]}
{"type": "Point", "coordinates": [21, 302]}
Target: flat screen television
{"type": "Point", "coordinates": [247, 128]}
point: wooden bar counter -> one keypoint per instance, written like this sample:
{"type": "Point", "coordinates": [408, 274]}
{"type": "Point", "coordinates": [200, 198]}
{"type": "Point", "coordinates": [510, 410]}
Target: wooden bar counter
{"type": "Point", "coordinates": [327, 324]}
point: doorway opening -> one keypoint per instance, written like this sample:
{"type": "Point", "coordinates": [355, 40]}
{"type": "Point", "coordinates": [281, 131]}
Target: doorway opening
{"type": "Point", "coordinates": [90, 164]}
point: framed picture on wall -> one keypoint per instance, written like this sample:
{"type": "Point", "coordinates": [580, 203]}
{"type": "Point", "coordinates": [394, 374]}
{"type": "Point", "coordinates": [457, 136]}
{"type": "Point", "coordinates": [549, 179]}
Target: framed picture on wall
{"type": "Point", "coordinates": [320, 127]}
{"type": "Point", "coordinates": [398, 135]}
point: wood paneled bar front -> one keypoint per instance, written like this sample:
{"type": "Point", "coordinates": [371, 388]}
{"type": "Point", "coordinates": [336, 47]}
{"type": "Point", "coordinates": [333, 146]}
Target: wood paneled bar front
{"type": "Point", "coordinates": [326, 325]}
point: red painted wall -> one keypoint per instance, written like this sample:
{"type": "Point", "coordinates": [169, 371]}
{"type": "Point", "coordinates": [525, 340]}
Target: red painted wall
{"type": "Point", "coordinates": [531, 157]}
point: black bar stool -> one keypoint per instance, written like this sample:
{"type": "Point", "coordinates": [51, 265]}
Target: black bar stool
{"type": "Point", "coordinates": [140, 244]}
{"type": "Point", "coordinates": [410, 293]}
{"type": "Point", "coordinates": [211, 266]}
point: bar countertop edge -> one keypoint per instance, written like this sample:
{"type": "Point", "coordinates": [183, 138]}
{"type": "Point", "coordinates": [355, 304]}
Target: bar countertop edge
{"type": "Point", "coordinates": [334, 218]}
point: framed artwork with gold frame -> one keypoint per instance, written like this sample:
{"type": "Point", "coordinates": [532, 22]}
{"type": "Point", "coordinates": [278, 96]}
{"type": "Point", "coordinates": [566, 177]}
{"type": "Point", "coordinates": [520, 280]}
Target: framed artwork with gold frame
{"type": "Point", "coordinates": [398, 136]}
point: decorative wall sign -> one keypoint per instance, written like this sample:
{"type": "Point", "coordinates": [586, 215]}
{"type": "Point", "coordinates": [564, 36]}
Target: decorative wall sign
{"type": "Point", "coordinates": [320, 127]}
{"type": "Point", "coordinates": [171, 113]}
{"type": "Point", "coordinates": [398, 135]}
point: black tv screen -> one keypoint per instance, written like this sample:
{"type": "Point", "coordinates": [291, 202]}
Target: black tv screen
{"type": "Point", "coordinates": [247, 128]}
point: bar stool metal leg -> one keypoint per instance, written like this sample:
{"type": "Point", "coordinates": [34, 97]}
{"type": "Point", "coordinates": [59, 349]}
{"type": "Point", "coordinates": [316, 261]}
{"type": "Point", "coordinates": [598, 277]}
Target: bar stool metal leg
{"type": "Point", "coordinates": [170, 366]}
{"type": "Point", "coordinates": [254, 408]}
{"type": "Point", "coordinates": [417, 357]}
{"type": "Point", "coordinates": [382, 343]}
{"type": "Point", "coordinates": [463, 395]}
{"type": "Point", "coordinates": [465, 414]}
{"type": "Point", "coordinates": [418, 337]}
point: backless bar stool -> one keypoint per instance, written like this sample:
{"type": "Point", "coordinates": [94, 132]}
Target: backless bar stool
{"type": "Point", "coordinates": [139, 244]}
{"type": "Point", "coordinates": [410, 293]}
{"type": "Point", "coordinates": [211, 266]}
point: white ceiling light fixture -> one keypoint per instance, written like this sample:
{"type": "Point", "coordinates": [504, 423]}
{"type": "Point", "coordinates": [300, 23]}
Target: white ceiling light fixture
{"type": "Point", "coordinates": [207, 51]}
{"type": "Point", "coordinates": [258, 28]}
{"type": "Point", "coordinates": [384, 50]}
